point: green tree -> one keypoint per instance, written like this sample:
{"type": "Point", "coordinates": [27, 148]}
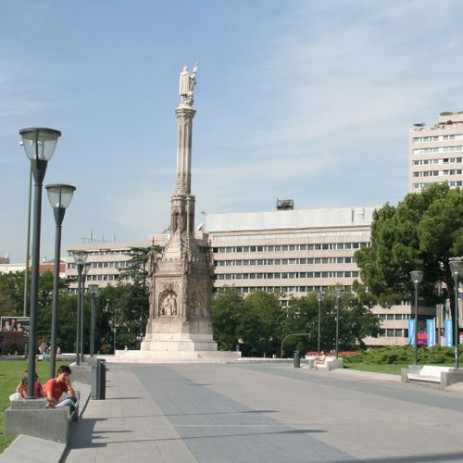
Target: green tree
{"type": "Point", "coordinates": [226, 309]}
{"type": "Point", "coordinates": [258, 324]}
{"type": "Point", "coordinates": [423, 232]}
{"type": "Point", "coordinates": [12, 293]}
{"type": "Point", "coordinates": [300, 317]}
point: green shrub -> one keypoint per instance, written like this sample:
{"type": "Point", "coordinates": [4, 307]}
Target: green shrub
{"type": "Point", "coordinates": [402, 354]}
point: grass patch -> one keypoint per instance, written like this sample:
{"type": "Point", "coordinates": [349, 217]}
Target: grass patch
{"type": "Point", "coordinates": [11, 373]}
{"type": "Point", "coordinates": [388, 368]}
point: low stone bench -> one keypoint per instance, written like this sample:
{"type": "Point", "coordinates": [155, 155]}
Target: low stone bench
{"type": "Point", "coordinates": [330, 363]}
{"type": "Point", "coordinates": [432, 375]}
{"type": "Point", "coordinates": [33, 418]}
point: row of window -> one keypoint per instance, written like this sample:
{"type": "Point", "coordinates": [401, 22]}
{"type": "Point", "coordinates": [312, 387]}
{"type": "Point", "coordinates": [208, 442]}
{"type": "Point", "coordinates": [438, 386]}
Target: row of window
{"type": "Point", "coordinates": [437, 173]}
{"type": "Point", "coordinates": [289, 247]}
{"type": "Point", "coordinates": [394, 316]}
{"type": "Point", "coordinates": [427, 162]}
{"type": "Point", "coordinates": [299, 261]}
{"type": "Point", "coordinates": [103, 278]}
{"type": "Point", "coordinates": [117, 264]}
{"type": "Point", "coordinates": [396, 333]}
{"type": "Point", "coordinates": [286, 275]}
{"type": "Point", "coordinates": [105, 252]}
{"type": "Point", "coordinates": [452, 184]}
{"type": "Point", "coordinates": [438, 149]}
{"type": "Point", "coordinates": [277, 289]}
{"type": "Point", "coordinates": [456, 136]}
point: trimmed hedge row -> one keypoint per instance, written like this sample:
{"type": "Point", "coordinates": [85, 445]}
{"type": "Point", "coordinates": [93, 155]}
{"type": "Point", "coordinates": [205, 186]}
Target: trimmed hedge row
{"type": "Point", "coordinates": [402, 354]}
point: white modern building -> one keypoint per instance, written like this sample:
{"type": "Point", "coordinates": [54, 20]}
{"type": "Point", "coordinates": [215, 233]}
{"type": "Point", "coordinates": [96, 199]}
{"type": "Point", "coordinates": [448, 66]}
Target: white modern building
{"type": "Point", "coordinates": [435, 154]}
{"type": "Point", "coordinates": [292, 252]}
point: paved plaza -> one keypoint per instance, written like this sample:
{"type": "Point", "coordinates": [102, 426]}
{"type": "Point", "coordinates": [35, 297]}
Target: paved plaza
{"type": "Point", "coordinates": [265, 412]}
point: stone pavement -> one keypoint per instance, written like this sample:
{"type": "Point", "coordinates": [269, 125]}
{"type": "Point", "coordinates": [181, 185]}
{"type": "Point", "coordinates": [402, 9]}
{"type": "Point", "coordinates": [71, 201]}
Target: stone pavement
{"type": "Point", "coordinates": [266, 412]}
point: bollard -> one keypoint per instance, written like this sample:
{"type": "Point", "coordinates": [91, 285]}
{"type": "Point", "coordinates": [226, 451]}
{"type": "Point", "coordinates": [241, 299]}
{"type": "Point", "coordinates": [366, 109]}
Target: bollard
{"type": "Point", "coordinates": [297, 359]}
{"type": "Point", "coordinates": [99, 380]}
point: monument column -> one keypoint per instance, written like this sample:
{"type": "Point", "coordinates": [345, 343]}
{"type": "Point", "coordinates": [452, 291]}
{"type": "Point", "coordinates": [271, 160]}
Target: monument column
{"type": "Point", "coordinates": [185, 115]}
{"type": "Point", "coordinates": [181, 284]}
{"type": "Point", "coordinates": [179, 325]}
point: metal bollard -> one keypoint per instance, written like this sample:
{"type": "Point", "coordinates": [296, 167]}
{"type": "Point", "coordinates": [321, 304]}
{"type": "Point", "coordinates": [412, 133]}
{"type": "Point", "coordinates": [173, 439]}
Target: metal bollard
{"type": "Point", "coordinates": [297, 359]}
{"type": "Point", "coordinates": [99, 380]}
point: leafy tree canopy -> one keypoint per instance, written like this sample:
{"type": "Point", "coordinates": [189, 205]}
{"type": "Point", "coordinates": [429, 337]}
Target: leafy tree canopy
{"type": "Point", "coordinates": [423, 232]}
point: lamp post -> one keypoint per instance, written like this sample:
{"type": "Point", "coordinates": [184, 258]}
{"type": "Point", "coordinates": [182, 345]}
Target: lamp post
{"type": "Point", "coordinates": [80, 258]}
{"type": "Point", "coordinates": [339, 292]}
{"type": "Point", "coordinates": [60, 197]}
{"type": "Point", "coordinates": [455, 268]}
{"type": "Point", "coordinates": [320, 297]}
{"type": "Point", "coordinates": [94, 291]}
{"type": "Point", "coordinates": [39, 144]}
{"type": "Point", "coordinates": [416, 276]}
{"type": "Point", "coordinates": [82, 325]}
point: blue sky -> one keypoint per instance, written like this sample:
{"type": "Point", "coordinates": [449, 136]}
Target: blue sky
{"type": "Point", "coordinates": [303, 99]}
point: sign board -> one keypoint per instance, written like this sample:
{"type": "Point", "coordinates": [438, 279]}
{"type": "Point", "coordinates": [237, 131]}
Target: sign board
{"type": "Point", "coordinates": [15, 332]}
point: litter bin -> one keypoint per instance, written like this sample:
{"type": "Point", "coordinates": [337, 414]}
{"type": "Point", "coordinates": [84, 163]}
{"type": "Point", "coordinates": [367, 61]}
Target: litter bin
{"type": "Point", "coordinates": [99, 380]}
{"type": "Point", "coordinates": [297, 359]}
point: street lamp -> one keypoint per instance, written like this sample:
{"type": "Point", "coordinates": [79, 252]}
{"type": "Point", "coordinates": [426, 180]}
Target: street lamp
{"type": "Point", "coordinates": [60, 197]}
{"type": "Point", "coordinates": [416, 276]}
{"type": "Point", "coordinates": [80, 258]}
{"type": "Point", "coordinates": [320, 297]}
{"type": "Point", "coordinates": [39, 144]}
{"type": "Point", "coordinates": [94, 291]}
{"type": "Point", "coordinates": [82, 300]}
{"type": "Point", "coordinates": [455, 268]}
{"type": "Point", "coordinates": [339, 292]}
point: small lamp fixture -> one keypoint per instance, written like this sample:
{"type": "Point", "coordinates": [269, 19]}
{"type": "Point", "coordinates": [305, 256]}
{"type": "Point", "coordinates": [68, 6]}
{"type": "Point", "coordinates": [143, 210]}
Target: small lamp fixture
{"type": "Point", "coordinates": [80, 256]}
{"type": "Point", "coordinates": [39, 142]}
{"type": "Point", "coordinates": [416, 276]}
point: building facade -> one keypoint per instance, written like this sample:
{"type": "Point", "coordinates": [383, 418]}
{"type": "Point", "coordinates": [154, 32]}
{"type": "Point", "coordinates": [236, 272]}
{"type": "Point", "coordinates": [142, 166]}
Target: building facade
{"type": "Point", "coordinates": [291, 252]}
{"type": "Point", "coordinates": [435, 154]}
{"type": "Point", "coordinates": [105, 260]}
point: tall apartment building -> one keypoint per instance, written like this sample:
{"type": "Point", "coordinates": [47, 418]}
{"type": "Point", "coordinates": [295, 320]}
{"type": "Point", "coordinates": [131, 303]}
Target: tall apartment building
{"type": "Point", "coordinates": [288, 251]}
{"type": "Point", "coordinates": [435, 154]}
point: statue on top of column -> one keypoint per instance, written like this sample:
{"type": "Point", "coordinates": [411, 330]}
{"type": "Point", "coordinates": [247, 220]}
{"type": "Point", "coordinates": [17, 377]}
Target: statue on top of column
{"type": "Point", "coordinates": [187, 85]}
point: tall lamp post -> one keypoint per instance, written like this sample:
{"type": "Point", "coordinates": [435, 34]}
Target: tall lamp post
{"type": "Point", "coordinates": [455, 268]}
{"type": "Point", "coordinates": [80, 258]}
{"type": "Point", "coordinates": [94, 291]}
{"type": "Point", "coordinates": [39, 144]}
{"type": "Point", "coordinates": [416, 276]}
{"type": "Point", "coordinates": [82, 325]}
{"type": "Point", "coordinates": [320, 297]}
{"type": "Point", "coordinates": [60, 197]}
{"type": "Point", "coordinates": [339, 292]}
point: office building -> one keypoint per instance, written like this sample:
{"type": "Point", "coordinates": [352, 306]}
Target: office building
{"type": "Point", "coordinates": [292, 252]}
{"type": "Point", "coordinates": [435, 154]}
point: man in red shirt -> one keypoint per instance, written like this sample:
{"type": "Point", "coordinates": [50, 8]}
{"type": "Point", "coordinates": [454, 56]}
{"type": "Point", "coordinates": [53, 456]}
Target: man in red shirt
{"type": "Point", "coordinates": [55, 387]}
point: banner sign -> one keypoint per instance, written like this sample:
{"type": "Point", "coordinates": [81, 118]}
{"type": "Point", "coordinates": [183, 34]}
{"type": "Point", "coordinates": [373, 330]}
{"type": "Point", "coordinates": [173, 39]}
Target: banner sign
{"type": "Point", "coordinates": [448, 332]}
{"type": "Point", "coordinates": [411, 331]}
{"type": "Point", "coordinates": [431, 329]}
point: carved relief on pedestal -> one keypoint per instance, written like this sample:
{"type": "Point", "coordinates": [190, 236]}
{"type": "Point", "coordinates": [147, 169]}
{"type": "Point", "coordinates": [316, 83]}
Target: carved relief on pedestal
{"type": "Point", "coordinates": [168, 304]}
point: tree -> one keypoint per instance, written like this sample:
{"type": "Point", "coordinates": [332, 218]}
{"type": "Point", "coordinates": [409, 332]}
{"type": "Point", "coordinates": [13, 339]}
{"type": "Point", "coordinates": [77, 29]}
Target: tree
{"type": "Point", "coordinates": [423, 232]}
{"type": "Point", "coordinates": [258, 324]}
{"type": "Point", "coordinates": [12, 293]}
{"type": "Point", "coordinates": [226, 308]}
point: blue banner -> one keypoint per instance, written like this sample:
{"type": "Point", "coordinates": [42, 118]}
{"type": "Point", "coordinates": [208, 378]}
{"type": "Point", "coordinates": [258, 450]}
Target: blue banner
{"type": "Point", "coordinates": [411, 331]}
{"type": "Point", "coordinates": [431, 329]}
{"type": "Point", "coordinates": [448, 332]}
